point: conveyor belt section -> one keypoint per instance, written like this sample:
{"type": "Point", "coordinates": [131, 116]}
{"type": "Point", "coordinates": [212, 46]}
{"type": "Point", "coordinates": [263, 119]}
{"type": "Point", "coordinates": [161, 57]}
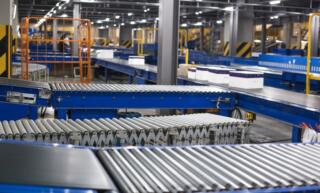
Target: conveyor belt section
{"type": "Point", "coordinates": [164, 130]}
{"type": "Point", "coordinates": [70, 87]}
{"type": "Point", "coordinates": [212, 168]}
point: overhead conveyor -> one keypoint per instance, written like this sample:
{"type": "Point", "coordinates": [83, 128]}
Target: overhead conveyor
{"type": "Point", "coordinates": [203, 168]}
{"type": "Point", "coordinates": [163, 130]}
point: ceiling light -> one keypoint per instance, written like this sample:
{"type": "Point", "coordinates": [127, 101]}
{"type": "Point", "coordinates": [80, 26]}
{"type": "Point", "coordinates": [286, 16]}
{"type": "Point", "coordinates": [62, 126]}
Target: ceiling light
{"type": "Point", "coordinates": [114, 25]}
{"type": "Point", "coordinates": [274, 17]}
{"type": "Point", "coordinates": [57, 4]}
{"type": "Point", "coordinates": [101, 27]}
{"type": "Point", "coordinates": [117, 17]}
{"type": "Point", "coordinates": [219, 21]}
{"type": "Point", "coordinates": [92, 23]}
{"type": "Point", "coordinates": [198, 24]}
{"type": "Point", "coordinates": [143, 21]}
{"type": "Point", "coordinates": [184, 16]}
{"type": "Point", "coordinates": [132, 22]}
{"type": "Point", "coordinates": [228, 8]}
{"type": "Point", "coordinates": [130, 14]}
{"type": "Point", "coordinates": [64, 15]}
{"type": "Point", "coordinates": [107, 26]}
{"type": "Point", "coordinates": [54, 12]}
{"type": "Point", "coordinates": [60, 7]}
{"type": "Point", "coordinates": [157, 18]}
{"type": "Point", "coordinates": [184, 25]}
{"type": "Point", "coordinates": [107, 19]}
{"type": "Point", "coordinates": [99, 21]}
{"type": "Point", "coordinates": [122, 24]}
{"type": "Point", "coordinates": [275, 2]}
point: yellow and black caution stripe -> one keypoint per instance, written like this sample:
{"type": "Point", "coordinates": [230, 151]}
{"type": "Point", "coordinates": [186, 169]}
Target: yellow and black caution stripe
{"type": "Point", "coordinates": [126, 43]}
{"type": "Point", "coordinates": [14, 44]}
{"type": "Point", "coordinates": [244, 50]}
{"type": "Point", "coordinates": [226, 49]}
{"type": "Point", "coordinates": [5, 50]}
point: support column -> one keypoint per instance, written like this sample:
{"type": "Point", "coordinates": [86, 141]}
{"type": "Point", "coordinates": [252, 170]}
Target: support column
{"type": "Point", "coordinates": [263, 36]}
{"type": "Point", "coordinates": [55, 34]}
{"type": "Point", "coordinates": [287, 32]}
{"type": "Point", "coordinates": [201, 38]}
{"type": "Point", "coordinates": [238, 32]}
{"type": "Point", "coordinates": [125, 36]}
{"type": "Point", "coordinates": [76, 14]}
{"type": "Point", "coordinates": [168, 41]}
{"type": "Point", "coordinates": [315, 36]}
{"type": "Point", "coordinates": [6, 20]}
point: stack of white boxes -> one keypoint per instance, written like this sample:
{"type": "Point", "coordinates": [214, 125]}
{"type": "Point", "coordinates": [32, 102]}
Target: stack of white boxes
{"type": "Point", "coordinates": [136, 60]}
{"type": "Point", "coordinates": [202, 73]}
{"type": "Point", "coordinates": [192, 73]}
{"type": "Point", "coordinates": [219, 75]}
{"type": "Point", "coordinates": [105, 54]}
{"type": "Point", "coordinates": [246, 79]}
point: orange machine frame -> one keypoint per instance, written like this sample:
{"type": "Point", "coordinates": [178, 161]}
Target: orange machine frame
{"type": "Point", "coordinates": [83, 40]}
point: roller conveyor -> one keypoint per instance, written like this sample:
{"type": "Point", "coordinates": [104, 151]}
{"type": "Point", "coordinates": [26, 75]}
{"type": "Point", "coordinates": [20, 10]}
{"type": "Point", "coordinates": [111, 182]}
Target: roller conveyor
{"type": "Point", "coordinates": [212, 168]}
{"type": "Point", "coordinates": [132, 88]}
{"type": "Point", "coordinates": [163, 130]}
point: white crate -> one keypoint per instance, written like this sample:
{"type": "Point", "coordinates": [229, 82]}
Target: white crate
{"type": "Point", "coordinates": [105, 54]}
{"type": "Point", "coordinates": [219, 75]}
{"type": "Point", "coordinates": [246, 79]}
{"type": "Point", "coordinates": [192, 73]}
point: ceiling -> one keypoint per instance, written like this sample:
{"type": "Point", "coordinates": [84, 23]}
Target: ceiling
{"type": "Point", "coordinates": [190, 10]}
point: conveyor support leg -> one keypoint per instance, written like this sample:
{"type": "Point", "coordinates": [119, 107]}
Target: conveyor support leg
{"type": "Point", "coordinates": [61, 114]}
{"type": "Point", "coordinates": [296, 134]}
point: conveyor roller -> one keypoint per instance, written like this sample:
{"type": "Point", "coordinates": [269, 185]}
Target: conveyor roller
{"type": "Point", "coordinates": [212, 168]}
{"type": "Point", "coordinates": [163, 130]}
{"type": "Point", "coordinates": [132, 88]}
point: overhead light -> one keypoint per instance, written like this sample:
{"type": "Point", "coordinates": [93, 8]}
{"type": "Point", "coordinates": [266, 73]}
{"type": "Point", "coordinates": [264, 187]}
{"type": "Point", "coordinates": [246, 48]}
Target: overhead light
{"type": "Point", "coordinates": [114, 25]}
{"type": "Point", "coordinates": [107, 26]}
{"type": "Point", "coordinates": [143, 21]}
{"type": "Point", "coordinates": [184, 25]}
{"type": "Point", "coordinates": [130, 14]}
{"type": "Point", "coordinates": [92, 23]}
{"type": "Point", "coordinates": [67, 1]}
{"type": "Point", "coordinates": [198, 24]}
{"type": "Point", "coordinates": [274, 17]}
{"type": "Point", "coordinates": [198, 0]}
{"type": "Point", "coordinates": [101, 27]}
{"type": "Point", "coordinates": [228, 8]}
{"type": "Point", "coordinates": [157, 18]}
{"type": "Point", "coordinates": [122, 24]}
{"type": "Point", "coordinates": [117, 17]}
{"type": "Point", "coordinates": [184, 16]}
{"type": "Point", "coordinates": [132, 22]}
{"type": "Point", "coordinates": [57, 4]}
{"type": "Point", "coordinates": [60, 7]}
{"type": "Point", "coordinates": [198, 12]}
{"type": "Point", "coordinates": [219, 21]}
{"type": "Point", "coordinates": [107, 19]}
{"type": "Point", "coordinates": [145, 10]}
{"type": "Point", "coordinates": [99, 21]}
{"type": "Point", "coordinates": [54, 12]}
{"type": "Point", "coordinates": [275, 2]}
{"type": "Point", "coordinates": [64, 15]}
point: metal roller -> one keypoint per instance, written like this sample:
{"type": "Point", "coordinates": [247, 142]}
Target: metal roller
{"type": "Point", "coordinates": [165, 130]}
{"type": "Point", "coordinates": [212, 168]}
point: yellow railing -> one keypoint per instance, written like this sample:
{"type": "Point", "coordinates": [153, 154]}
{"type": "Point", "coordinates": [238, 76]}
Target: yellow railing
{"type": "Point", "coordinates": [309, 75]}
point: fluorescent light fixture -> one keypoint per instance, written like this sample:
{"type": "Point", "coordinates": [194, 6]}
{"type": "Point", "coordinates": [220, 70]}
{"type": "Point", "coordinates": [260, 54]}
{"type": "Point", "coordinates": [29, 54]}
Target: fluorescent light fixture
{"type": "Point", "coordinates": [64, 15]}
{"type": "Point", "coordinates": [54, 12]}
{"type": "Point", "coordinates": [275, 2]}
{"type": "Point", "coordinates": [130, 14]}
{"type": "Point", "coordinates": [132, 22]}
{"type": "Point", "coordinates": [228, 8]}
{"type": "Point", "coordinates": [107, 26]}
{"type": "Point", "coordinates": [184, 16]}
{"type": "Point", "coordinates": [157, 18]}
{"type": "Point", "coordinates": [117, 17]}
{"type": "Point", "coordinates": [101, 27]}
{"type": "Point", "coordinates": [274, 17]}
{"type": "Point", "coordinates": [57, 4]}
{"type": "Point", "coordinates": [145, 10]}
{"type": "Point", "coordinates": [107, 19]}
{"type": "Point", "coordinates": [122, 24]}
{"type": "Point", "coordinates": [184, 25]}
{"type": "Point", "coordinates": [143, 21]}
{"type": "Point", "coordinates": [198, 12]}
{"type": "Point", "coordinates": [60, 7]}
{"type": "Point", "coordinates": [67, 1]}
{"type": "Point", "coordinates": [198, 24]}
{"type": "Point", "coordinates": [219, 21]}
{"type": "Point", "coordinates": [99, 21]}
{"type": "Point", "coordinates": [114, 25]}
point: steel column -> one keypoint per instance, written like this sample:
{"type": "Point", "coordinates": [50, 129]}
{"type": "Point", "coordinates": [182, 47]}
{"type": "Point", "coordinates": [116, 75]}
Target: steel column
{"type": "Point", "coordinates": [263, 36]}
{"type": "Point", "coordinates": [234, 19]}
{"type": "Point", "coordinates": [55, 34]}
{"type": "Point", "coordinates": [315, 36]}
{"type": "Point", "coordinates": [287, 32]}
{"type": "Point", "coordinates": [76, 14]}
{"type": "Point", "coordinates": [168, 41]}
